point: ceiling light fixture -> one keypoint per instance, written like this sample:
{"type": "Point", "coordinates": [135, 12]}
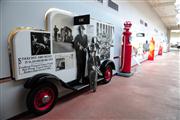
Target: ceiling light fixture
{"type": "Point", "coordinates": [177, 4]}
{"type": "Point", "coordinates": [178, 18]}
{"type": "Point", "coordinates": [175, 31]}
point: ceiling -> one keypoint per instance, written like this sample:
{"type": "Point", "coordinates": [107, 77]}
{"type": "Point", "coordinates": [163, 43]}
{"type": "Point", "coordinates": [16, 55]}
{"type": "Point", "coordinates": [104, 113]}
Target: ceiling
{"type": "Point", "coordinates": [167, 12]}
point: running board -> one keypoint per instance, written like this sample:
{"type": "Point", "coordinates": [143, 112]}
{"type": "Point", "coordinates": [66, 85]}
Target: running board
{"type": "Point", "coordinates": [79, 86]}
{"type": "Point", "coordinates": [99, 79]}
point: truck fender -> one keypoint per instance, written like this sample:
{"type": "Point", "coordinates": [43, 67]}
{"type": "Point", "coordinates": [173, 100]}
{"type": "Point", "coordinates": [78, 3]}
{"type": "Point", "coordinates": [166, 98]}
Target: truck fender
{"type": "Point", "coordinates": [41, 78]}
{"type": "Point", "coordinates": [106, 63]}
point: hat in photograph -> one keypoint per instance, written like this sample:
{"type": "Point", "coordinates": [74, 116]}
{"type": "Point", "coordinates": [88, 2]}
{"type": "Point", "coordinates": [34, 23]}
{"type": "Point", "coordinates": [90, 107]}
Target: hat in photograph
{"type": "Point", "coordinates": [82, 27]}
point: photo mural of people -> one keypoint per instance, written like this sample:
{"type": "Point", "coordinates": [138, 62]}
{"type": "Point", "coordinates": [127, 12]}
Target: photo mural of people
{"type": "Point", "coordinates": [80, 45]}
{"type": "Point", "coordinates": [61, 31]}
{"type": "Point", "coordinates": [69, 38]}
{"type": "Point", "coordinates": [140, 46]}
{"type": "Point", "coordinates": [40, 43]}
{"type": "Point", "coordinates": [104, 39]}
{"type": "Point", "coordinates": [62, 39]}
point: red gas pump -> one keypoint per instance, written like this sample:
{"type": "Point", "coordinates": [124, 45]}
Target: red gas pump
{"type": "Point", "coordinates": [125, 69]}
{"type": "Point", "coordinates": [160, 51]}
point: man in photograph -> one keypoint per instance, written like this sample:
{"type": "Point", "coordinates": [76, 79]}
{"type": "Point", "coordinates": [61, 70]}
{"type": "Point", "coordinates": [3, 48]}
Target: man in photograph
{"type": "Point", "coordinates": [56, 33]}
{"type": "Point", "coordinates": [80, 45]}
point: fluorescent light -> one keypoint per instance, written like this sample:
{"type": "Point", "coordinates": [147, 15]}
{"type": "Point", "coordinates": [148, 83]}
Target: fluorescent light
{"type": "Point", "coordinates": [178, 18]}
{"type": "Point", "coordinates": [177, 4]}
{"type": "Point", "coordinates": [176, 31]}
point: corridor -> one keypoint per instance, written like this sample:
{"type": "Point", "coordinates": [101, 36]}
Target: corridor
{"type": "Point", "coordinates": [152, 93]}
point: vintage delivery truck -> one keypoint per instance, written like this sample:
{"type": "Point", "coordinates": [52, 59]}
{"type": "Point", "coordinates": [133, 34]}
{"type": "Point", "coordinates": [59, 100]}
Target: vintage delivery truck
{"type": "Point", "coordinates": [60, 54]}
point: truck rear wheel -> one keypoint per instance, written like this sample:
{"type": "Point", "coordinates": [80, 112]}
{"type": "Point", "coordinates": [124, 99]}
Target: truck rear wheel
{"type": "Point", "coordinates": [107, 74]}
{"type": "Point", "coordinates": [42, 98]}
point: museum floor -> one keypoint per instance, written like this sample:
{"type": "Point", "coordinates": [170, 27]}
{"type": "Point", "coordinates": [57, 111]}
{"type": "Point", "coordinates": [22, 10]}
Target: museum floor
{"type": "Point", "coordinates": [152, 93]}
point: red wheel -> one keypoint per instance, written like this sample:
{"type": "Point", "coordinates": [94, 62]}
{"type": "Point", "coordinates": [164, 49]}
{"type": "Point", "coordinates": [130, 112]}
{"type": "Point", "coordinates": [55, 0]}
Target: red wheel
{"type": "Point", "coordinates": [42, 99]}
{"type": "Point", "coordinates": [107, 74]}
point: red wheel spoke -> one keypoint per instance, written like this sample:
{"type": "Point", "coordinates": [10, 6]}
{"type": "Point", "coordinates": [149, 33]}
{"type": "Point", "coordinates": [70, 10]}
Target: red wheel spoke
{"type": "Point", "coordinates": [44, 99]}
{"type": "Point", "coordinates": [108, 74]}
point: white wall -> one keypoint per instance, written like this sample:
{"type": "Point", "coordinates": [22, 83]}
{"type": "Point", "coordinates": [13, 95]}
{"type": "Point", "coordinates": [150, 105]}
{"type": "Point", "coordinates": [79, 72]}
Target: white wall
{"type": "Point", "coordinates": [16, 13]}
{"type": "Point", "coordinates": [1, 39]}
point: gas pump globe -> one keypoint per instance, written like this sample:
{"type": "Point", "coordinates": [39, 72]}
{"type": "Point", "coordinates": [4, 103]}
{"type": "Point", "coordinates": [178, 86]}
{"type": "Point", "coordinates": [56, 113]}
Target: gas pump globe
{"type": "Point", "coordinates": [127, 25]}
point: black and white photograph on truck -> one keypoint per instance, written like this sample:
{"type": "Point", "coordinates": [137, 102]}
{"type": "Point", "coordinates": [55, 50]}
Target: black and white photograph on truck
{"type": "Point", "coordinates": [104, 39]}
{"type": "Point", "coordinates": [40, 43]}
{"type": "Point", "coordinates": [61, 33]}
{"type": "Point", "coordinates": [60, 64]}
{"type": "Point", "coordinates": [81, 48]}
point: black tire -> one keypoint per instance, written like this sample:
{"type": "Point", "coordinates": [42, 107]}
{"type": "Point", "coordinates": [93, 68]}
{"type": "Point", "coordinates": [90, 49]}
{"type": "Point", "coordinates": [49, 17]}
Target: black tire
{"type": "Point", "coordinates": [107, 74]}
{"type": "Point", "coordinates": [42, 98]}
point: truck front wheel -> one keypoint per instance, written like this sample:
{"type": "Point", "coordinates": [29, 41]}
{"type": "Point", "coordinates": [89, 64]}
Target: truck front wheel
{"type": "Point", "coordinates": [42, 98]}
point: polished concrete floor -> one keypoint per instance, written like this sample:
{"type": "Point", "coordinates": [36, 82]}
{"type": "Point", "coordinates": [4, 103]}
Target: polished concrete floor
{"type": "Point", "coordinates": [152, 93]}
